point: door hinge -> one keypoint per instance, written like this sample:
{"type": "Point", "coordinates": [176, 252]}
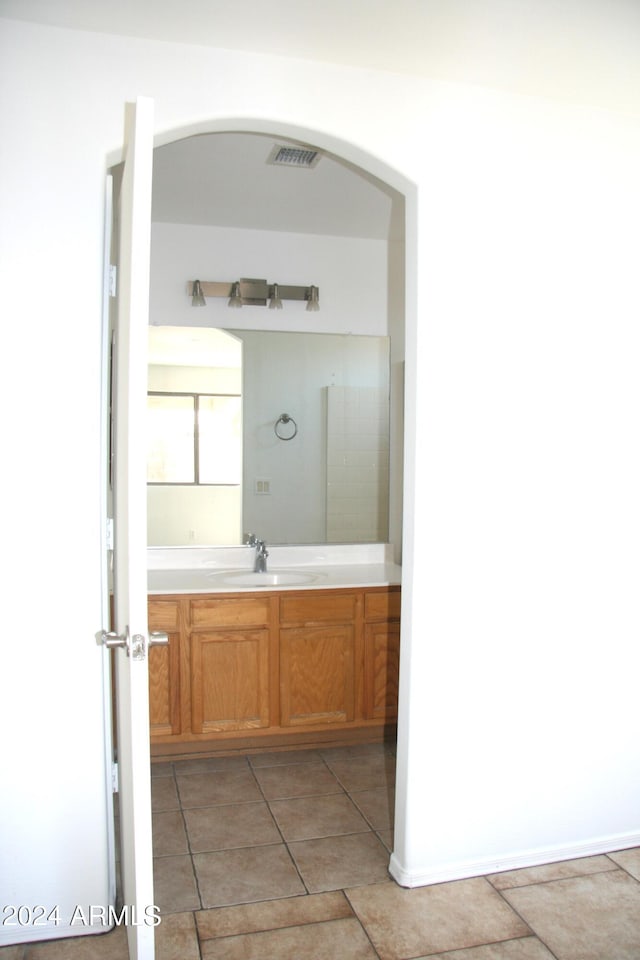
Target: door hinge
{"type": "Point", "coordinates": [109, 533]}
{"type": "Point", "coordinates": [114, 778]}
{"type": "Point", "coordinates": [113, 280]}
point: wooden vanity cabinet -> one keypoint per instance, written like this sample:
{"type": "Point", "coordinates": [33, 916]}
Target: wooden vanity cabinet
{"type": "Point", "coordinates": [382, 654]}
{"type": "Point", "coordinates": [231, 641]}
{"type": "Point", "coordinates": [281, 665]}
{"type": "Point", "coordinates": [318, 657]}
{"type": "Point", "coordinates": [165, 669]}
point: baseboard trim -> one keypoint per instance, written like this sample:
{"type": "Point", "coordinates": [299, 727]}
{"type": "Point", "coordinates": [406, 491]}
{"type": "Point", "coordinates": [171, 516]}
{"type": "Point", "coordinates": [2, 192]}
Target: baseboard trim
{"type": "Point", "coordinates": [293, 739]}
{"type": "Point", "coordinates": [529, 858]}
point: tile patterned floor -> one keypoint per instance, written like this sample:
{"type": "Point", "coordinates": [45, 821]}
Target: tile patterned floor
{"type": "Point", "coordinates": [283, 856]}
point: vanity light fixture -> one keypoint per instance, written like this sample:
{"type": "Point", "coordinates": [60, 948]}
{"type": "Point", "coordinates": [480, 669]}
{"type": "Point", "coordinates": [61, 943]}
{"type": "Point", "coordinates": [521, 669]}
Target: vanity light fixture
{"type": "Point", "coordinates": [197, 297]}
{"type": "Point", "coordinates": [313, 301]}
{"type": "Point", "coordinates": [256, 293]}
{"type": "Point", "coordinates": [235, 299]}
{"type": "Point", "coordinates": [275, 303]}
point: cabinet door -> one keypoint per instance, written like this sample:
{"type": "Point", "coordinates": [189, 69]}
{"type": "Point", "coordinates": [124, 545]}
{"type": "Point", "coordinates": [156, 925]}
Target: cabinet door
{"type": "Point", "coordinates": [230, 680]}
{"type": "Point", "coordinates": [164, 670]}
{"type": "Point", "coordinates": [381, 665]}
{"type": "Point", "coordinates": [317, 674]}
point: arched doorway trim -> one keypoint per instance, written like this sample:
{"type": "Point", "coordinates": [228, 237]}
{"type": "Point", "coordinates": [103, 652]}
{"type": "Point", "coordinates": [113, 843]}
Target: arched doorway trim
{"type": "Point", "coordinates": [372, 165]}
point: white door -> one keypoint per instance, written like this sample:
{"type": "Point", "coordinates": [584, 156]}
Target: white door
{"type": "Point", "coordinates": [130, 540]}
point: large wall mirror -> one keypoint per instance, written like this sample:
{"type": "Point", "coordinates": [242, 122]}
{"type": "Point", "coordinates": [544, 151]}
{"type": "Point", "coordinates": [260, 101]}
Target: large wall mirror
{"type": "Point", "coordinates": [220, 379]}
{"type": "Point", "coordinates": [222, 463]}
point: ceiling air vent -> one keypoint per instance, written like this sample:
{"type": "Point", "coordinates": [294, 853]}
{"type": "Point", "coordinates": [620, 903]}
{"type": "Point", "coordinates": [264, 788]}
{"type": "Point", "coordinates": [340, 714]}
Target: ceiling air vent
{"type": "Point", "coordinates": [294, 157]}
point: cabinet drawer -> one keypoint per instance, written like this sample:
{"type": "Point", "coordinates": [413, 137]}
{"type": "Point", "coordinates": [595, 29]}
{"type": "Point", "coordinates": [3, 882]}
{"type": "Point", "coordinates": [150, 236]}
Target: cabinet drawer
{"type": "Point", "coordinates": [382, 606]}
{"type": "Point", "coordinates": [234, 612]}
{"type": "Point", "coordinates": [163, 615]}
{"type": "Point", "coordinates": [320, 608]}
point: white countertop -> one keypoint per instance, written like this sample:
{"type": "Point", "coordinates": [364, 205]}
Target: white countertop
{"type": "Point", "coordinates": [229, 570]}
{"type": "Point", "coordinates": [225, 581]}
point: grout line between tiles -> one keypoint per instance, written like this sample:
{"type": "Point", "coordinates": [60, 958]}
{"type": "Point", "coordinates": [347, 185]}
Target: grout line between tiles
{"type": "Point", "coordinates": [618, 866]}
{"type": "Point", "coordinates": [277, 825]}
{"type": "Point", "coordinates": [519, 915]}
{"type": "Point", "coordinates": [548, 880]}
{"type": "Point", "coordinates": [294, 926]}
{"type": "Point", "coordinates": [364, 929]}
{"type": "Point", "coordinates": [193, 866]}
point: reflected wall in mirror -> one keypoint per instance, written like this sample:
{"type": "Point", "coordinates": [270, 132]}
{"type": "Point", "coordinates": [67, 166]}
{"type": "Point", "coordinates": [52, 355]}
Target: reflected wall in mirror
{"type": "Point", "coordinates": [330, 483]}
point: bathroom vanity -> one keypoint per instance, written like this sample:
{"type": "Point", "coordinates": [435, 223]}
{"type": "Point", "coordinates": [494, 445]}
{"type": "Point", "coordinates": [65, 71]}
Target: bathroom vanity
{"type": "Point", "coordinates": [311, 657]}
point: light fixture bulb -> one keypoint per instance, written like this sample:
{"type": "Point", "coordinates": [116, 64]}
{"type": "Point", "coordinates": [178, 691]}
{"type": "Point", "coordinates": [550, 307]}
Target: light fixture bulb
{"type": "Point", "coordinates": [275, 303]}
{"type": "Point", "coordinates": [313, 302]}
{"type": "Point", "coordinates": [197, 296]}
{"type": "Point", "coordinates": [236, 299]}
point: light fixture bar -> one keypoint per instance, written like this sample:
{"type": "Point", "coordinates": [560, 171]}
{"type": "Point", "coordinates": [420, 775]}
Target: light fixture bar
{"type": "Point", "coordinates": [253, 292]}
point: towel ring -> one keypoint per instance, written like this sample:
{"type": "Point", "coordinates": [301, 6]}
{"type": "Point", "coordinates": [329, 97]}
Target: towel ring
{"type": "Point", "coordinates": [285, 418]}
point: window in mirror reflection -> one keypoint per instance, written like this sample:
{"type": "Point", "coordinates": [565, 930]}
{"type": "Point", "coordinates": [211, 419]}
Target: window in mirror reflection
{"type": "Point", "coordinates": [194, 439]}
{"type": "Point", "coordinates": [220, 440]}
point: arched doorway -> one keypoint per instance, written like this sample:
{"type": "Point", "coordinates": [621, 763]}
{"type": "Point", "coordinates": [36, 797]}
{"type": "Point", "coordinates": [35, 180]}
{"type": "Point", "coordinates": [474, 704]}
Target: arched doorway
{"type": "Point", "coordinates": [397, 295]}
{"type": "Point", "coordinates": [401, 256]}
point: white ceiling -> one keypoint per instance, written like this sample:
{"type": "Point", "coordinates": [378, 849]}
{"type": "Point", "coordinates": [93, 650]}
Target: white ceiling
{"type": "Point", "coordinates": [224, 179]}
{"type": "Point", "coordinates": [581, 50]}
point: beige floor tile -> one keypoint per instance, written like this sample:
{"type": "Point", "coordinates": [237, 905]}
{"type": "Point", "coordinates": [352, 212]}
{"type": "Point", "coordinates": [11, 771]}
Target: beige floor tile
{"type": "Point", "coordinates": [177, 938]}
{"type": "Point", "coordinates": [13, 952]}
{"type": "Point", "coordinates": [337, 862]}
{"type": "Point", "coordinates": [101, 946]}
{"type": "Point", "coordinates": [551, 871]}
{"type": "Point", "coordinates": [343, 939]}
{"type": "Point", "coordinates": [629, 860]}
{"type": "Point", "coordinates": [272, 914]}
{"type": "Point", "coordinates": [377, 806]}
{"type": "Point", "coordinates": [169, 836]}
{"type": "Point", "coordinates": [224, 786]}
{"type": "Point", "coordinates": [164, 795]}
{"type": "Point", "coordinates": [162, 769]}
{"type": "Point", "coordinates": [230, 825]}
{"type": "Point", "coordinates": [281, 758]}
{"type": "Point", "coordinates": [311, 817]}
{"type": "Point", "coordinates": [209, 765]}
{"type": "Point", "coordinates": [246, 875]}
{"type": "Point", "coordinates": [425, 920]}
{"type": "Point", "coordinates": [174, 885]}
{"type": "Point", "coordinates": [356, 750]}
{"type": "Point", "coordinates": [297, 780]}
{"type": "Point", "coordinates": [365, 773]}
{"type": "Point", "coordinates": [527, 948]}
{"type": "Point", "coordinates": [594, 917]}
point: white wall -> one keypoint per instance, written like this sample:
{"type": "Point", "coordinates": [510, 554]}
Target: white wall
{"type": "Point", "coordinates": [521, 730]}
{"type": "Point", "coordinates": [519, 725]}
{"type": "Point", "coordinates": [352, 275]}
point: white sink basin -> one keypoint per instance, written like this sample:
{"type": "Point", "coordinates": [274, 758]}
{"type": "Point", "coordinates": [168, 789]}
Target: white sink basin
{"type": "Point", "coordinates": [273, 578]}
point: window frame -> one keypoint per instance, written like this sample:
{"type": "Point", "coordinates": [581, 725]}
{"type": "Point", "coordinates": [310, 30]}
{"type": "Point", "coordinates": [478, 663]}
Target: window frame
{"type": "Point", "coordinates": [195, 395]}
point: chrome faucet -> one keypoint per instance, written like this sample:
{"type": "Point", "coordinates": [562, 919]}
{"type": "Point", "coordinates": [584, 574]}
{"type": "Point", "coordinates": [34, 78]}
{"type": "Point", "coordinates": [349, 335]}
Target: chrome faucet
{"type": "Point", "coordinates": [260, 564]}
{"type": "Point", "coordinates": [262, 553]}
